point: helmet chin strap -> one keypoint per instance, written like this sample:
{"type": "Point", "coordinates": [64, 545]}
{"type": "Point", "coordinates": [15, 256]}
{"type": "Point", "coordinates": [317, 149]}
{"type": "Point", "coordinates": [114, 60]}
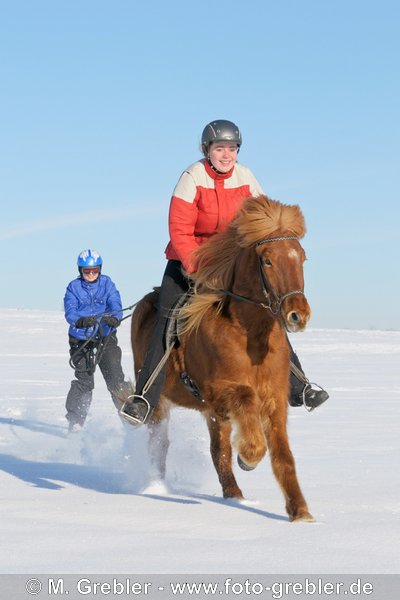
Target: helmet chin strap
{"type": "Point", "coordinates": [213, 168]}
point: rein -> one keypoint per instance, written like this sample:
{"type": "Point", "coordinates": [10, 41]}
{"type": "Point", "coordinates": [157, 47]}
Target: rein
{"type": "Point", "coordinates": [274, 301]}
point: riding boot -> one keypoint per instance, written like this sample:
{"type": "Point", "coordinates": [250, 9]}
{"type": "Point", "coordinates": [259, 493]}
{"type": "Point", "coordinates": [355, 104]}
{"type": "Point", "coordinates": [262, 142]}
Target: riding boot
{"type": "Point", "coordinates": [302, 392]}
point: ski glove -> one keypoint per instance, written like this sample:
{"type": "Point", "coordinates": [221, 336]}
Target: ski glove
{"type": "Point", "coordinates": [85, 322]}
{"type": "Point", "coordinates": [111, 321]}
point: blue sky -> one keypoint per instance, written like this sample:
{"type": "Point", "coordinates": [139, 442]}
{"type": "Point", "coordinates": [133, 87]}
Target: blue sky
{"type": "Point", "coordinates": [102, 106]}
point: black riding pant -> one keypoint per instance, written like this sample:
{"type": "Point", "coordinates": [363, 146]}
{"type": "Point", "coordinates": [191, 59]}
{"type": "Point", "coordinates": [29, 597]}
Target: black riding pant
{"type": "Point", "coordinates": [173, 285]}
{"type": "Point", "coordinates": [80, 394]}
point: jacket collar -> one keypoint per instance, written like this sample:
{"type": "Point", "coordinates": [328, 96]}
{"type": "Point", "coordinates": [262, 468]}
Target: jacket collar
{"type": "Point", "coordinates": [90, 285]}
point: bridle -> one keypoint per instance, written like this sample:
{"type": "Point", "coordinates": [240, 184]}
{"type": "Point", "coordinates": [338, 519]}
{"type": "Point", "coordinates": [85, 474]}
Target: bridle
{"type": "Point", "coordinates": [275, 302]}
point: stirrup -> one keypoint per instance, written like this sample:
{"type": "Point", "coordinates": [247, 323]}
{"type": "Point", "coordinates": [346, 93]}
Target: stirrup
{"type": "Point", "coordinates": [312, 386]}
{"type": "Point", "coordinates": [127, 407]}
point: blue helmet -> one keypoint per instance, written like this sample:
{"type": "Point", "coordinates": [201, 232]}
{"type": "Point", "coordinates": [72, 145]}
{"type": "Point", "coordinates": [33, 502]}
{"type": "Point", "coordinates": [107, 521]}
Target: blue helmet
{"type": "Point", "coordinates": [89, 258]}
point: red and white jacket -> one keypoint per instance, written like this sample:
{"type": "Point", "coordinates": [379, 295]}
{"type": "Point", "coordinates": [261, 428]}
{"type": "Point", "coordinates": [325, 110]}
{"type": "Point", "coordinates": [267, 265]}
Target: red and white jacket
{"type": "Point", "coordinates": [204, 202]}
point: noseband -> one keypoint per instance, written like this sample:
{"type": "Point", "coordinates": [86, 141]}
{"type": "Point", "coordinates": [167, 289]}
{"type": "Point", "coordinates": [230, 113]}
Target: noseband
{"type": "Point", "coordinates": [274, 301]}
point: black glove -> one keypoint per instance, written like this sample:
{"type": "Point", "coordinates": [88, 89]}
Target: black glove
{"type": "Point", "coordinates": [111, 321]}
{"type": "Point", "coordinates": [85, 322]}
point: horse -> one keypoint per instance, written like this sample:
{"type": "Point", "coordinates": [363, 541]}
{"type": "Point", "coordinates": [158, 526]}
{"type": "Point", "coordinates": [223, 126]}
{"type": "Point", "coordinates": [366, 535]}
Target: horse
{"type": "Point", "coordinates": [247, 292]}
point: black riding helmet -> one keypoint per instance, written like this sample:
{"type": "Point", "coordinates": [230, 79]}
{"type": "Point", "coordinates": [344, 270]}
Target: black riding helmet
{"type": "Point", "coordinates": [220, 131]}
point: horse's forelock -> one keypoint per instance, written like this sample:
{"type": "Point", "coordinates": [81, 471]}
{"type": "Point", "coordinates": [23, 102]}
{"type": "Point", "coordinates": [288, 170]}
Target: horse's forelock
{"type": "Point", "coordinates": [261, 217]}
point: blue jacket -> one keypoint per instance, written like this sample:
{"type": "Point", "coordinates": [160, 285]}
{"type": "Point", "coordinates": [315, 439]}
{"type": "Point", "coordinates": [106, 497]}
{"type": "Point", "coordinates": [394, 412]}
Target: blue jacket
{"type": "Point", "coordinates": [87, 299]}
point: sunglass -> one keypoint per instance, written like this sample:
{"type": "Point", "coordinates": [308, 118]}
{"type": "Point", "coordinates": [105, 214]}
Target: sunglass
{"type": "Point", "coordinates": [89, 271]}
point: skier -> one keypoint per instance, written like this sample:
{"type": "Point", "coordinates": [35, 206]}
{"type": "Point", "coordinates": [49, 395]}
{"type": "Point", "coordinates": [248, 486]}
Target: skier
{"type": "Point", "coordinates": [93, 310]}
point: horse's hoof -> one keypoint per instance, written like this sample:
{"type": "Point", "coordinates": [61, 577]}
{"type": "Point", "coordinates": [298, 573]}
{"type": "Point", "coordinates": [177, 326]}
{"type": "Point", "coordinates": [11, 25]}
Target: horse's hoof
{"type": "Point", "coordinates": [243, 465]}
{"type": "Point", "coordinates": [303, 517]}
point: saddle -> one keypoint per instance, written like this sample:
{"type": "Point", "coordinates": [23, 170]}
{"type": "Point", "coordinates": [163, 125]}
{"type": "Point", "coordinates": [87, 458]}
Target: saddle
{"type": "Point", "coordinates": [172, 340]}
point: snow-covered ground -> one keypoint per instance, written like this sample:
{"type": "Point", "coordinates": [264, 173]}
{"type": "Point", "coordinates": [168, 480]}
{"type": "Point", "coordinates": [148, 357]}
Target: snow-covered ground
{"type": "Point", "coordinates": [86, 504]}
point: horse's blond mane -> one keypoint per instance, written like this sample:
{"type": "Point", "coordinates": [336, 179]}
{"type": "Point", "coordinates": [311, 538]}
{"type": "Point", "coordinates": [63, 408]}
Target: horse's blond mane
{"type": "Point", "coordinates": [259, 218]}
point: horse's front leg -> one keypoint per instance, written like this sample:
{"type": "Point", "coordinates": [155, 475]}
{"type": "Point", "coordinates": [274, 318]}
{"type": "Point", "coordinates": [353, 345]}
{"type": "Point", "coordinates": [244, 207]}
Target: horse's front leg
{"type": "Point", "coordinates": [221, 453]}
{"type": "Point", "coordinates": [283, 465]}
{"type": "Point", "coordinates": [244, 412]}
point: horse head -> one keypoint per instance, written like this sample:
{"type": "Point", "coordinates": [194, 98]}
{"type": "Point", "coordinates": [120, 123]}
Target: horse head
{"type": "Point", "coordinates": [269, 234]}
{"type": "Point", "coordinates": [281, 261]}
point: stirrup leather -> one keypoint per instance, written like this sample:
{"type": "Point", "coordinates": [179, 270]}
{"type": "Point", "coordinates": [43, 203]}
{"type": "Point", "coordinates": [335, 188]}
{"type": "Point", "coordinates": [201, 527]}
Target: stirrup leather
{"type": "Point", "coordinates": [124, 412]}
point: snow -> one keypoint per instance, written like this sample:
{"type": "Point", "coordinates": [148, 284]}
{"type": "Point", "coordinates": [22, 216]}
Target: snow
{"type": "Point", "coordinates": [88, 504]}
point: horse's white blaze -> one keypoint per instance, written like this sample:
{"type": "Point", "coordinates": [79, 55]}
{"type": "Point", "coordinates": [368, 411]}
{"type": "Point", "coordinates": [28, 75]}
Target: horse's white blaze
{"type": "Point", "coordinates": [293, 254]}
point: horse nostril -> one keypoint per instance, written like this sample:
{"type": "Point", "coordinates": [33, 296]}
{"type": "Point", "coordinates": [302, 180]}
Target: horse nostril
{"type": "Point", "coordinates": [294, 317]}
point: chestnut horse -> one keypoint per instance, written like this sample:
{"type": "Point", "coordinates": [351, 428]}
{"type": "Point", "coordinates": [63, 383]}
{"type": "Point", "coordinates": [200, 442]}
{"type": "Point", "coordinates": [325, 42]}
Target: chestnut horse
{"type": "Point", "coordinates": [247, 290]}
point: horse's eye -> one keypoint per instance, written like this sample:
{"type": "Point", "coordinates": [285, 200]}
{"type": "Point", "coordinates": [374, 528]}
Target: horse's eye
{"type": "Point", "coordinates": [267, 262]}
